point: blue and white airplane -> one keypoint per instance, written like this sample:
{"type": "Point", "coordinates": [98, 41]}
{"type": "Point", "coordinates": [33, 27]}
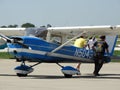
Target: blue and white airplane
{"type": "Point", "coordinates": [56, 47]}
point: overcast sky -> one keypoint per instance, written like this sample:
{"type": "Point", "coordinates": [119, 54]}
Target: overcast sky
{"type": "Point", "coordinates": [60, 12]}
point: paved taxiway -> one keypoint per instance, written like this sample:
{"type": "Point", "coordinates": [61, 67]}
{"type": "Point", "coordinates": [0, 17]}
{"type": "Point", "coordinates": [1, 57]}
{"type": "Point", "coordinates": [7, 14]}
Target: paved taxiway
{"type": "Point", "coordinates": [49, 77]}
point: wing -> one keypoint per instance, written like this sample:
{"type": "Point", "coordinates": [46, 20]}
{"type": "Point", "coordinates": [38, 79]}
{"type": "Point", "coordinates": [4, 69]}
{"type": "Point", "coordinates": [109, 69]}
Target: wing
{"type": "Point", "coordinates": [13, 31]}
{"type": "Point", "coordinates": [97, 30]}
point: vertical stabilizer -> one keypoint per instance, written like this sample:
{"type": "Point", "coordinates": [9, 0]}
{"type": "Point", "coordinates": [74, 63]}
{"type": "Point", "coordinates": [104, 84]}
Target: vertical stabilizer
{"type": "Point", "coordinates": [111, 40]}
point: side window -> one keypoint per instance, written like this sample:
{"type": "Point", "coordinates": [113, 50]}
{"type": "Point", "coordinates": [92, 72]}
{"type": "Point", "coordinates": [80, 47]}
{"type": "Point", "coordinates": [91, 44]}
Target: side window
{"type": "Point", "coordinates": [56, 39]}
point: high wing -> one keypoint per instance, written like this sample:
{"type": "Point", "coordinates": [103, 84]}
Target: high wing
{"type": "Point", "coordinates": [97, 30]}
{"type": "Point", "coordinates": [68, 32]}
{"type": "Point", "coordinates": [13, 31]}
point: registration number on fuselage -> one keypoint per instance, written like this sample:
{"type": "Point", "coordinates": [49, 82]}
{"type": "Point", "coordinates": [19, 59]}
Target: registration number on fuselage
{"type": "Point", "coordinates": [83, 53]}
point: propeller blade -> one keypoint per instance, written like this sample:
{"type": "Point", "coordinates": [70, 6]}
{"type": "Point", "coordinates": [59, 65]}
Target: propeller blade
{"type": "Point", "coordinates": [25, 46]}
{"type": "Point", "coordinates": [5, 37]}
{"type": "Point", "coordinates": [13, 40]}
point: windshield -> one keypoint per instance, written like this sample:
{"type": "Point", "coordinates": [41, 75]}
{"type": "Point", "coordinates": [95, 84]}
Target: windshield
{"type": "Point", "coordinates": [37, 32]}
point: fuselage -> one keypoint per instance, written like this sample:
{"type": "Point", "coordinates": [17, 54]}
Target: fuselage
{"type": "Point", "coordinates": [40, 51]}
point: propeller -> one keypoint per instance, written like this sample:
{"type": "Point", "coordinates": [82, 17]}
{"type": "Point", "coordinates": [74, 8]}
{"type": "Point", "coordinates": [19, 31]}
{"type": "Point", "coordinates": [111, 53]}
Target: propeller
{"type": "Point", "coordinates": [13, 40]}
{"type": "Point", "coordinates": [25, 46]}
{"type": "Point", "coordinates": [6, 38]}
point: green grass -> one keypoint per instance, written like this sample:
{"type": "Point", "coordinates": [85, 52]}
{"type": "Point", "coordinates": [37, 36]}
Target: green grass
{"type": "Point", "coordinates": [115, 61]}
{"type": "Point", "coordinates": [116, 52]}
{"type": "Point", "coordinates": [5, 55]}
{"type": "Point", "coordinates": [118, 42]}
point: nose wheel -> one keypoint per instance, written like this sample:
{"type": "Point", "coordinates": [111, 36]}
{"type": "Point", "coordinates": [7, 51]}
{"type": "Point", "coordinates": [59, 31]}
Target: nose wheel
{"type": "Point", "coordinates": [23, 70]}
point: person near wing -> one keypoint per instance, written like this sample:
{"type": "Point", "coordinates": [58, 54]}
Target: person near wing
{"type": "Point", "coordinates": [91, 42]}
{"type": "Point", "coordinates": [81, 43]}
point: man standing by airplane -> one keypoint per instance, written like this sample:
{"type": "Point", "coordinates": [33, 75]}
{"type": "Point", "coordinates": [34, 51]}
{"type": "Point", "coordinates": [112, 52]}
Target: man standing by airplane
{"type": "Point", "coordinates": [81, 43]}
{"type": "Point", "coordinates": [100, 47]}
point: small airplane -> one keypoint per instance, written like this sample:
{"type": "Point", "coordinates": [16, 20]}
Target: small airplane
{"type": "Point", "coordinates": [53, 45]}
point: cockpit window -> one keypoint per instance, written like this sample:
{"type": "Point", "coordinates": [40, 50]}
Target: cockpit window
{"type": "Point", "coordinates": [41, 34]}
{"type": "Point", "coordinates": [37, 32]}
{"type": "Point", "coordinates": [56, 39]}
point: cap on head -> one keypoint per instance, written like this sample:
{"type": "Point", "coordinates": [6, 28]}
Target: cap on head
{"type": "Point", "coordinates": [81, 36]}
{"type": "Point", "coordinates": [102, 37]}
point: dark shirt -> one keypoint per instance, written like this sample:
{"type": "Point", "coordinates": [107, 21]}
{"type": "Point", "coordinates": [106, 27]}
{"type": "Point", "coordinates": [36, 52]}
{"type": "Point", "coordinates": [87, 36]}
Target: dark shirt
{"type": "Point", "coordinates": [105, 45]}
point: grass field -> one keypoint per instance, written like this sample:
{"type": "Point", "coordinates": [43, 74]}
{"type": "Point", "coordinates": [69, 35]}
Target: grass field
{"type": "Point", "coordinates": [5, 55]}
{"type": "Point", "coordinates": [116, 52]}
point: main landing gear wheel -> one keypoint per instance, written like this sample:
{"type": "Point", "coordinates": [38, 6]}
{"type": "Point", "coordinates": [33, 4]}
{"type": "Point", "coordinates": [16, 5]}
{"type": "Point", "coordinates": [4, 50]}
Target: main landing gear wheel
{"type": "Point", "coordinates": [21, 75]}
{"type": "Point", "coordinates": [68, 71]}
{"type": "Point", "coordinates": [67, 76]}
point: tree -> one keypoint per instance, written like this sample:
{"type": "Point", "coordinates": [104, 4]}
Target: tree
{"type": "Point", "coordinates": [48, 25]}
{"type": "Point", "coordinates": [15, 25]}
{"type": "Point", "coordinates": [3, 26]}
{"type": "Point", "coordinates": [12, 26]}
{"type": "Point", "coordinates": [27, 25]}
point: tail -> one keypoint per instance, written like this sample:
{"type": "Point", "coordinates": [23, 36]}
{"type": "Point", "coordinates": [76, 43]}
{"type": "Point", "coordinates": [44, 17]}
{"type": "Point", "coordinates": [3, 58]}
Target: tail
{"type": "Point", "coordinates": [111, 40]}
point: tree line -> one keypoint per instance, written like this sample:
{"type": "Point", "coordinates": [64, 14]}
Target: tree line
{"type": "Point", "coordinates": [25, 25]}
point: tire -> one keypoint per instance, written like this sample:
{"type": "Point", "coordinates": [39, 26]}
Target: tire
{"type": "Point", "coordinates": [21, 75]}
{"type": "Point", "coordinates": [67, 76]}
{"type": "Point", "coordinates": [18, 60]}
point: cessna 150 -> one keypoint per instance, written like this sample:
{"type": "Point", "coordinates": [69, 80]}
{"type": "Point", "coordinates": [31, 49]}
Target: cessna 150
{"type": "Point", "coordinates": [52, 45]}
